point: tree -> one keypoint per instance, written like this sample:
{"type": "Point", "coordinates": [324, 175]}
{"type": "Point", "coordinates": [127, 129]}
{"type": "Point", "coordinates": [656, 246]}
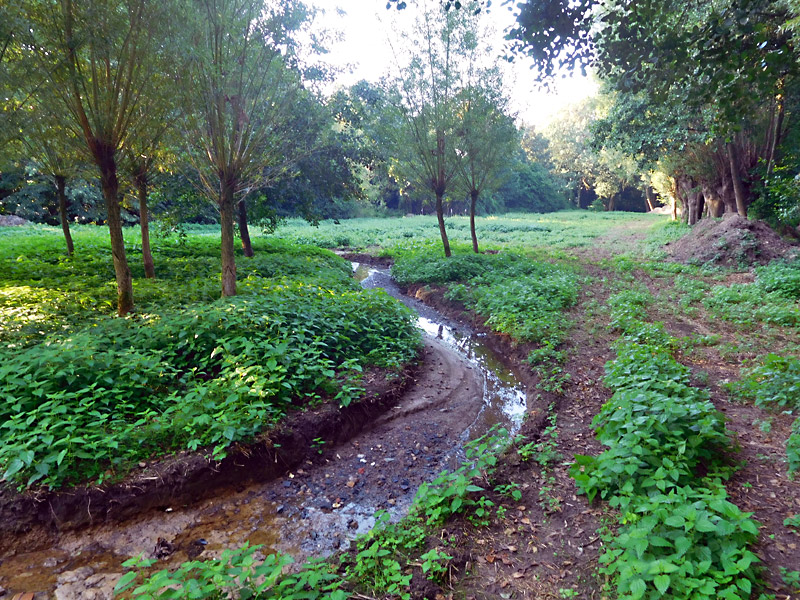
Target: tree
{"type": "Point", "coordinates": [142, 151]}
{"type": "Point", "coordinates": [424, 96]}
{"type": "Point", "coordinates": [52, 150]}
{"type": "Point", "coordinates": [485, 140]}
{"type": "Point", "coordinates": [96, 59]}
{"type": "Point", "coordinates": [724, 61]}
{"type": "Point", "coordinates": [592, 171]}
{"type": "Point", "coordinates": [239, 90]}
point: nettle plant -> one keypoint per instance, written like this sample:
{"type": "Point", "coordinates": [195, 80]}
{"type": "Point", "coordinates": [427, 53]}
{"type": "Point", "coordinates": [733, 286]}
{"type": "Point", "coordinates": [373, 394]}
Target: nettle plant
{"type": "Point", "coordinates": [679, 535]}
{"type": "Point", "coordinates": [86, 406]}
{"type": "Point", "coordinates": [238, 573]}
{"type": "Point", "coordinates": [774, 383]}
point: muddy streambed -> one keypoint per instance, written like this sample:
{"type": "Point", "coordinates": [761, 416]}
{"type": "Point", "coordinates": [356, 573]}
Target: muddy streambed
{"type": "Point", "coordinates": [461, 391]}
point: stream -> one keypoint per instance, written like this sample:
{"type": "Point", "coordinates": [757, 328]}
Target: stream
{"type": "Point", "coordinates": [461, 392]}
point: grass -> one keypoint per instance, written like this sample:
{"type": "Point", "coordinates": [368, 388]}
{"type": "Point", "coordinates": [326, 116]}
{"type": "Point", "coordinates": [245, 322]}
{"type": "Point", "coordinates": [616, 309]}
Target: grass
{"type": "Point", "coordinates": [567, 229]}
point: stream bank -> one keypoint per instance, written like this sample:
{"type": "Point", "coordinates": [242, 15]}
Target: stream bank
{"type": "Point", "coordinates": [312, 506]}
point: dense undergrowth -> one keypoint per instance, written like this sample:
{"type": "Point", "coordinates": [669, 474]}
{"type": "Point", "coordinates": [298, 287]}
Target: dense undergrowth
{"type": "Point", "coordinates": [678, 534]}
{"type": "Point", "coordinates": [87, 395]}
{"type": "Point", "coordinates": [517, 295]}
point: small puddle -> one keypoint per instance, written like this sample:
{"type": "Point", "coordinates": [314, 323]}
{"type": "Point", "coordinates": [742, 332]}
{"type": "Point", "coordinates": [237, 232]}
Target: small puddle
{"type": "Point", "coordinates": [317, 509]}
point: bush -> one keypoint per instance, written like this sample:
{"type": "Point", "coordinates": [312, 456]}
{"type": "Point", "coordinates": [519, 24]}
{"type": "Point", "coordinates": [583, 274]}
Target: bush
{"type": "Point", "coordinates": [688, 543]}
{"type": "Point", "coordinates": [423, 268]}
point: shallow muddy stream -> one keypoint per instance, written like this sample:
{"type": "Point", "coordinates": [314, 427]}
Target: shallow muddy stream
{"type": "Point", "coordinates": [462, 390]}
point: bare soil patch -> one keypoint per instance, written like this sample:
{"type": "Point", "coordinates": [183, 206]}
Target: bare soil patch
{"type": "Point", "coordinates": [732, 241]}
{"type": "Point", "coordinates": [12, 221]}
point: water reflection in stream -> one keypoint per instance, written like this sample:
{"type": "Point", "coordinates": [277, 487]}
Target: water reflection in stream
{"type": "Point", "coordinates": [504, 398]}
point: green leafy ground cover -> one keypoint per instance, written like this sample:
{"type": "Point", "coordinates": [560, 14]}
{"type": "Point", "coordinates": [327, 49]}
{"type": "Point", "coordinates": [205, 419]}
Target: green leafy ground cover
{"type": "Point", "coordinates": [566, 229]}
{"type": "Point", "coordinates": [774, 384]}
{"type": "Point", "coordinates": [519, 296]}
{"type": "Point", "coordinates": [87, 394]}
{"type": "Point", "coordinates": [678, 535]}
{"type": "Point", "coordinates": [771, 299]}
{"type": "Point", "coordinates": [768, 304]}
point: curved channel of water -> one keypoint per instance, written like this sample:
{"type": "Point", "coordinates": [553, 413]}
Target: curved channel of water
{"type": "Point", "coordinates": [505, 400]}
{"type": "Point", "coordinates": [313, 511]}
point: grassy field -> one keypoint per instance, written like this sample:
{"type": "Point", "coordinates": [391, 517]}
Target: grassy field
{"type": "Point", "coordinates": [568, 229]}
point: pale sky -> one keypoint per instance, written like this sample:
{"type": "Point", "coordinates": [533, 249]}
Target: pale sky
{"type": "Point", "coordinates": [367, 26]}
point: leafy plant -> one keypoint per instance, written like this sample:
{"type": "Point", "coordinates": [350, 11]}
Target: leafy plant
{"type": "Point", "coordinates": [775, 382]}
{"type": "Point", "coordinates": [793, 522]}
{"type": "Point", "coordinates": [87, 403]}
{"type": "Point", "coordinates": [793, 447]}
{"type": "Point", "coordinates": [790, 578]}
{"type": "Point", "coordinates": [434, 564]}
{"type": "Point", "coordinates": [237, 572]}
{"type": "Point", "coordinates": [512, 490]}
{"type": "Point", "coordinates": [679, 536]}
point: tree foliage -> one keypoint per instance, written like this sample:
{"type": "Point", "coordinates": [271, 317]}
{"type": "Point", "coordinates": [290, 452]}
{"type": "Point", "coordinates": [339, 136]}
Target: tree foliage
{"type": "Point", "coordinates": [698, 87]}
{"type": "Point", "coordinates": [239, 92]}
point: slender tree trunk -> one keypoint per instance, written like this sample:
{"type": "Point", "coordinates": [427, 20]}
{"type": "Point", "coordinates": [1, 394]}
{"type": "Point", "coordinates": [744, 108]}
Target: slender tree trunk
{"type": "Point", "coordinates": [738, 188]}
{"type": "Point", "coordinates": [440, 217]}
{"type": "Point", "coordinates": [472, 204]}
{"type": "Point", "coordinates": [61, 186]}
{"type": "Point", "coordinates": [649, 197]}
{"type": "Point", "coordinates": [674, 198]}
{"type": "Point", "coordinates": [776, 135]}
{"type": "Point", "coordinates": [226, 221]}
{"type": "Point", "coordinates": [681, 196]}
{"type": "Point", "coordinates": [109, 183]}
{"type": "Point", "coordinates": [144, 221]}
{"type": "Point", "coordinates": [244, 232]}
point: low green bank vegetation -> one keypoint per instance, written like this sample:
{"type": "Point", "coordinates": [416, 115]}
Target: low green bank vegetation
{"type": "Point", "coordinates": [92, 394]}
{"type": "Point", "coordinates": [771, 299]}
{"type": "Point", "coordinates": [678, 535]}
{"type": "Point", "coordinates": [518, 296]}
